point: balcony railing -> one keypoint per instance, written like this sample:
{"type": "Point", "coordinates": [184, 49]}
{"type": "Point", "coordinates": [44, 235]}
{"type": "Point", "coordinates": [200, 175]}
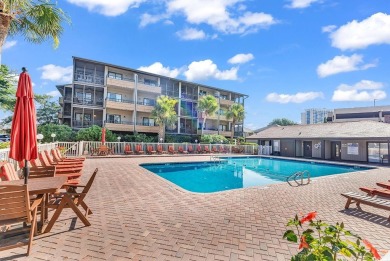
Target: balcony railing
{"type": "Point", "coordinates": [148, 103]}
{"type": "Point", "coordinates": [86, 123]}
{"type": "Point", "coordinates": [79, 77]}
{"type": "Point", "coordinates": [189, 96]}
{"type": "Point", "coordinates": [90, 102]}
{"type": "Point", "coordinates": [130, 123]}
{"type": "Point", "coordinates": [153, 84]}
{"type": "Point", "coordinates": [120, 100]}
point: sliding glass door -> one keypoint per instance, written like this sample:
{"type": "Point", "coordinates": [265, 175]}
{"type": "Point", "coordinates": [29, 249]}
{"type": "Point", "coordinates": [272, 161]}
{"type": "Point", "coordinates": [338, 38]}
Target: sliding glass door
{"type": "Point", "coordinates": [378, 152]}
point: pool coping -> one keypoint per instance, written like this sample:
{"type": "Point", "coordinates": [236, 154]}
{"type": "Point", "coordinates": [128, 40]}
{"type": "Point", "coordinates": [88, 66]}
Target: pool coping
{"type": "Point", "coordinates": [177, 187]}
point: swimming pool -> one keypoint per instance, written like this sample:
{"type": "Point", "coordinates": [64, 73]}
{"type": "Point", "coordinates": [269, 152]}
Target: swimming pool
{"type": "Point", "coordinates": [234, 173]}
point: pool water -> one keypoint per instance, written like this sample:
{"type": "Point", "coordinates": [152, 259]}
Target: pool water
{"type": "Point", "coordinates": [234, 173]}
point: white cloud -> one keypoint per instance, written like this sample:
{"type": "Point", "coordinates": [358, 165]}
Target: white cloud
{"type": "Point", "coordinates": [328, 28]}
{"type": "Point", "coordinates": [299, 97]}
{"type": "Point", "coordinates": [364, 90]}
{"type": "Point", "coordinates": [227, 16]}
{"type": "Point", "coordinates": [56, 73]}
{"type": "Point", "coordinates": [147, 19]}
{"type": "Point", "coordinates": [158, 68]}
{"type": "Point", "coordinates": [9, 44]}
{"type": "Point", "coordinates": [358, 35]}
{"type": "Point", "coordinates": [207, 69]}
{"type": "Point", "coordinates": [342, 63]}
{"type": "Point", "coordinates": [191, 34]}
{"type": "Point", "coordinates": [54, 93]}
{"type": "Point", "coordinates": [301, 3]}
{"type": "Point", "coordinates": [241, 58]}
{"type": "Point", "coordinates": [108, 7]}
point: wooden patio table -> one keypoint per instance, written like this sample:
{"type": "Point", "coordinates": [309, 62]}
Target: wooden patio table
{"type": "Point", "coordinates": [41, 187]}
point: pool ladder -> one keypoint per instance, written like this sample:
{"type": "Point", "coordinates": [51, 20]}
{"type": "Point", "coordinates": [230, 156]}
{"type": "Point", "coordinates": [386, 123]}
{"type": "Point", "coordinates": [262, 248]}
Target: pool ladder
{"type": "Point", "coordinates": [298, 178]}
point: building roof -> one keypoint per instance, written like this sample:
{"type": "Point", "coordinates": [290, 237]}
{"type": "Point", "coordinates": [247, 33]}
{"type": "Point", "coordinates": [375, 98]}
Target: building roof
{"type": "Point", "coordinates": [346, 130]}
{"type": "Point", "coordinates": [156, 75]}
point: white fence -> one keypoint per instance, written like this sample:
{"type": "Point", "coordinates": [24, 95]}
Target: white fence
{"type": "Point", "coordinates": [265, 150]}
{"type": "Point", "coordinates": [87, 147]}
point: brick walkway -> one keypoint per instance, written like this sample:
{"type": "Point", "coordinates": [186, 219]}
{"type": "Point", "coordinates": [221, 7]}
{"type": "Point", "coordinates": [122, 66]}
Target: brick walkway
{"type": "Point", "coordinates": [140, 216]}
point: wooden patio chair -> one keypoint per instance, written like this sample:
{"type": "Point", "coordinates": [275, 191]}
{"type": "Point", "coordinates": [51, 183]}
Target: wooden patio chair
{"type": "Point", "coordinates": [206, 149]}
{"type": "Point", "coordinates": [15, 208]}
{"type": "Point", "coordinates": [57, 158]}
{"type": "Point", "coordinates": [385, 185]}
{"type": "Point", "coordinates": [171, 150]}
{"type": "Point", "coordinates": [190, 149]}
{"type": "Point", "coordinates": [71, 199]}
{"type": "Point", "coordinates": [53, 162]}
{"type": "Point", "coordinates": [199, 149]}
{"type": "Point", "coordinates": [214, 149]}
{"type": "Point", "coordinates": [63, 158]}
{"type": "Point", "coordinates": [150, 150]}
{"type": "Point", "coordinates": [138, 149]}
{"type": "Point", "coordinates": [128, 149]}
{"type": "Point", "coordinates": [222, 149]}
{"type": "Point", "coordinates": [68, 171]}
{"type": "Point", "coordinates": [181, 150]}
{"type": "Point", "coordinates": [8, 172]}
{"type": "Point", "coordinates": [382, 192]}
{"type": "Point", "coordinates": [358, 199]}
{"type": "Point", "coordinates": [160, 150]}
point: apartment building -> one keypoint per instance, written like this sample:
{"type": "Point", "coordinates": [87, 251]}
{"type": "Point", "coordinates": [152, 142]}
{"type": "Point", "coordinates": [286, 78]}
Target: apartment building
{"type": "Point", "coordinates": [373, 113]}
{"type": "Point", "coordinates": [314, 116]}
{"type": "Point", "coordinates": [121, 99]}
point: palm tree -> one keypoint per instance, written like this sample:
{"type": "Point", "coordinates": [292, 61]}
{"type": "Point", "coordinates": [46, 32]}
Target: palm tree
{"type": "Point", "coordinates": [208, 105]}
{"type": "Point", "coordinates": [236, 112]}
{"type": "Point", "coordinates": [164, 114]}
{"type": "Point", "coordinates": [35, 20]}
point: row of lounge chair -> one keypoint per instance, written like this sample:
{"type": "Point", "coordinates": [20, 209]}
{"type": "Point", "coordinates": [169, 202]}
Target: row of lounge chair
{"type": "Point", "coordinates": [375, 197]}
{"type": "Point", "coordinates": [47, 165]}
{"type": "Point", "coordinates": [171, 150]}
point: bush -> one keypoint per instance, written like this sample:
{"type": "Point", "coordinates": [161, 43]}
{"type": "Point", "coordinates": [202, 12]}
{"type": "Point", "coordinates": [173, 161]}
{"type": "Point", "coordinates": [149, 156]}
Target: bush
{"type": "Point", "coordinates": [94, 133]}
{"type": "Point", "coordinates": [139, 138]}
{"type": "Point", "coordinates": [62, 132]}
{"type": "Point", "coordinates": [174, 138]}
{"type": "Point", "coordinates": [213, 138]}
{"type": "Point", "coordinates": [4, 145]}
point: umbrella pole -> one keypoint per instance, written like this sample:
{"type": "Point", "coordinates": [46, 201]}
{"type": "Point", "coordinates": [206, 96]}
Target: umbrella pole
{"type": "Point", "coordinates": [26, 171]}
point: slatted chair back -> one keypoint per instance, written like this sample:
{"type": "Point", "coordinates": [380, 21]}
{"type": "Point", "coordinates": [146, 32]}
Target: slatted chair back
{"type": "Point", "coordinates": [206, 149]}
{"type": "Point", "coordinates": [159, 149]}
{"type": "Point", "coordinates": [199, 149]}
{"type": "Point", "coordinates": [90, 181]}
{"type": "Point", "coordinates": [49, 158]}
{"type": "Point", "coordinates": [214, 149]}
{"type": "Point", "coordinates": [42, 172]}
{"type": "Point", "coordinates": [190, 149]}
{"type": "Point", "coordinates": [55, 155]}
{"type": "Point", "coordinates": [15, 208]}
{"type": "Point", "coordinates": [43, 159]}
{"type": "Point", "coordinates": [128, 149]}
{"type": "Point", "coordinates": [180, 149]}
{"type": "Point", "coordinates": [8, 172]}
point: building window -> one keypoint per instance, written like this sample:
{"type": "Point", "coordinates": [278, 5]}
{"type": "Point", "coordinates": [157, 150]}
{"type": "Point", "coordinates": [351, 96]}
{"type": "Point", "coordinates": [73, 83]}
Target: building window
{"type": "Point", "coordinates": [114, 118]}
{"type": "Point", "coordinates": [114, 75]}
{"type": "Point", "coordinates": [150, 82]}
{"type": "Point", "coordinates": [147, 121]}
{"type": "Point", "coordinates": [202, 93]}
{"type": "Point", "coordinates": [378, 152]}
{"type": "Point", "coordinates": [223, 97]}
{"type": "Point", "coordinates": [114, 97]}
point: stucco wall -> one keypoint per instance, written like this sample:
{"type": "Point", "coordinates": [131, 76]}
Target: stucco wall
{"type": "Point", "coordinates": [316, 149]}
{"type": "Point", "coordinates": [287, 148]}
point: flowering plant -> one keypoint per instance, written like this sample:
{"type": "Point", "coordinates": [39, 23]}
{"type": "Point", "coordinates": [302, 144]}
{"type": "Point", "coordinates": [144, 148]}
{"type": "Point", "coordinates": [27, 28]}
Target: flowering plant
{"type": "Point", "coordinates": [321, 241]}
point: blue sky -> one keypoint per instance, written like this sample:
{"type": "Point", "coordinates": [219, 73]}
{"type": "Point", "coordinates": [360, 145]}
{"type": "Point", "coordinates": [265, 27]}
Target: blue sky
{"type": "Point", "coordinates": [286, 55]}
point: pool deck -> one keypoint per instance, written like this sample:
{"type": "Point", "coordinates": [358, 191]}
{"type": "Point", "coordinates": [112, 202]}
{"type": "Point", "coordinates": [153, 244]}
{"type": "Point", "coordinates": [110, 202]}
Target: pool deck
{"type": "Point", "coordinates": [140, 216]}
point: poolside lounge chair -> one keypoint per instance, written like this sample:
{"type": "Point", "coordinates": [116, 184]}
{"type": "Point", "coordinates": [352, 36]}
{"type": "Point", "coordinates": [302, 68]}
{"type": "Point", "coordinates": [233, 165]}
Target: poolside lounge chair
{"type": "Point", "coordinates": [47, 158]}
{"type": "Point", "coordinates": [57, 158]}
{"type": "Point", "coordinates": [138, 149]}
{"type": "Point", "coordinates": [69, 171]}
{"type": "Point", "coordinates": [128, 149]}
{"type": "Point", "coordinates": [160, 150]}
{"type": "Point", "coordinates": [206, 149]}
{"type": "Point", "coordinates": [181, 150]}
{"type": "Point", "coordinates": [171, 150]}
{"type": "Point", "coordinates": [63, 158]}
{"type": "Point", "coordinates": [72, 200]}
{"type": "Point", "coordinates": [199, 149]}
{"type": "Point", "coordinates": [190, 149]}
{"type": "Point", "coordinates": [359, 199]}
{"type": "Point", "coordinates": [382, 192]}
{"type": "Point", "coordinates": [385, 185]}
{"type": "Point", "coordinates": [214, 149]}
{"type": "Point", "coordinates": [150, 150]}
{"type": "Point", "coordinates": [222, 149]}
{"type": "Point", "coordinates": [15, 208]}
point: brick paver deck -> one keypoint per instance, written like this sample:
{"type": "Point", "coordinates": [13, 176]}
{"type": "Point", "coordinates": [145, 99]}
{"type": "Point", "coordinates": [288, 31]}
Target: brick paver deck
{"type": "Point", "coordinates": [140, 216]}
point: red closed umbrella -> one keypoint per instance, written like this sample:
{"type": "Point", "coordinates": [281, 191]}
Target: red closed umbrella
{"type": "Point", "coordinates": [103, 135]}
{"type": "Point", "coordinates": [24, 124]}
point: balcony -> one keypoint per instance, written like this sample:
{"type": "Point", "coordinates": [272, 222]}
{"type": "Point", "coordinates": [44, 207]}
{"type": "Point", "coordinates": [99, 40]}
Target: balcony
{"type": "Point", "coordinates": [226, 102]}
{"type": "Point", "coordinates": [130, 84]}
{"type": "Point", "coordinates": [225, 133]}
{"type": "Point", "coordinates": [88, 102]}
{"type": "Point", "coordinates": [86, 124]}
{"type": "Point", "coordinates": [87, 78]}
{"type": "Point", "coordinates": [120, 104]}
{"type": "Point", "coordinates": [146, 106]}
{"type": "Point", "coordinates": [141, 127]}
{"type": "Point", "coordinates": [120, 125]}
{"type": "Point", "coordinates": [215, 117]}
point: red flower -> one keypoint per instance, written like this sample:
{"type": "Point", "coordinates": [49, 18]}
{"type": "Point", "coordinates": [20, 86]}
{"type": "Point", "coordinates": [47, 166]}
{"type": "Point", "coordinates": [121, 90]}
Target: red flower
{"type": "Point", "coordinates": [309, 217]}
{"type": "Point", "coordinates": [372, 249]}
{"type": "Point", "coordinates": [303, 243]}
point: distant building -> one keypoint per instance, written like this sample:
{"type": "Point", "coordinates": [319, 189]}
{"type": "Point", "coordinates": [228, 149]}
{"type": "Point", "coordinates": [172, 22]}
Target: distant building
{"type": "Point", "coordinates": [314, 116]}
{"type": "Point", "coordinates": [374, 113]}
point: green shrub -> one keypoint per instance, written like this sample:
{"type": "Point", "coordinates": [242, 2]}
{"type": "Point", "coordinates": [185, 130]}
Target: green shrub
{"type": "Point", "coordinates": [94, 133]}
{"type": "Point", "coordinates": [174, 138]}
{"type": "Point", "coordinates": [4, 145]}
{"type": "Point", "coordinates": [213, 138]}
{"type": "Point", "coordinates": [62, 132]}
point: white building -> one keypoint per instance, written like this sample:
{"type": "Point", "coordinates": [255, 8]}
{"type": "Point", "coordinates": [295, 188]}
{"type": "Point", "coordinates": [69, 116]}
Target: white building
{"type": "Point", "coordinates": [373, 113]}
{"type": "Point", "coordinates": [314, 116]}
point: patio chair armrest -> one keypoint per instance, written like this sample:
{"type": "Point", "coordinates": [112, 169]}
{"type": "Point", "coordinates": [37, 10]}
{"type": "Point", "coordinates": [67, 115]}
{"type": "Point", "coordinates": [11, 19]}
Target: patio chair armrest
{"type": "Point", "coordinates": [36, 203]}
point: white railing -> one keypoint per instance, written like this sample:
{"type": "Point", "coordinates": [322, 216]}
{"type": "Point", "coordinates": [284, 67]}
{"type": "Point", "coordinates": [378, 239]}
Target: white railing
{"type": "Point", "coordinates": [265, 150]}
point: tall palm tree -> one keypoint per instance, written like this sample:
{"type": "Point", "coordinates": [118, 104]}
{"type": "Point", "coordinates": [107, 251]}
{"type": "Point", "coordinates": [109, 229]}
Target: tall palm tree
{"type": "Point", "coordinates": [208, 105]}
{"type": "Point", "coordinates": [35, 20]}
{"type": "Point", "coordinates": [164, 114]}
{"type": "Point", "coordinates": [236, 112]}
